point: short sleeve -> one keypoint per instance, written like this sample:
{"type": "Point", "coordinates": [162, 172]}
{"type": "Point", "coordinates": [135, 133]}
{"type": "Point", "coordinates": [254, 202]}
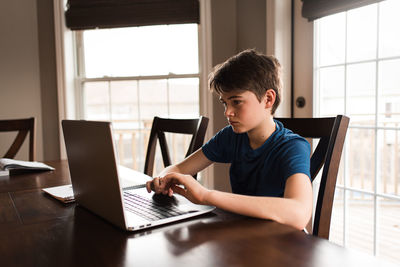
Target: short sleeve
{"type": "Point", "coordinates": [220, 148]}
{"type": "Point", "coordinates": [295, 158]}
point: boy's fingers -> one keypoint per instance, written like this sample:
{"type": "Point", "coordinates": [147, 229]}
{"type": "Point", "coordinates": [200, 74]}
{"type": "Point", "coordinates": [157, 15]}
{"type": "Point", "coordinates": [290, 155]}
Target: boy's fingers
{"type": "Point", "coordinates": [148, 186]}
{"type": "Point", "coordinates": [158, 185]}
{"type": "Point", "coordinates": [166, 184]}
{"type": "Point", "coordinates": [179, 190]}
{"type": "Point", "coordinates": [170, 192]}
{"type": "Point", "coordinates": [153, 185]}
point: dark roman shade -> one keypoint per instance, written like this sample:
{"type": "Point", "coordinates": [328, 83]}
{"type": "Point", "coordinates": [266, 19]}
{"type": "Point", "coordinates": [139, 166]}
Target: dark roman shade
{"type": "Point", "coordinates": [89, 14]}
{"type": "Point", "coordinates": [315, 9]}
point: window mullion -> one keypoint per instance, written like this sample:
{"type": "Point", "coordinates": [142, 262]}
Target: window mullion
{"type": "Point", "coordinates": [109, 101]}
{"type": "Point", "coordinates": [376, 132]}
{"type": "Point", "coordinates": [345, 192]}
{"type": "Point", "coordinates": [149, 77]}
{"type": "Point", "coordinates": [168, 98]}
{"type": "Point", "coordinates": [141, 129]}
{"type": "Point", "coordinates": [79, 73]}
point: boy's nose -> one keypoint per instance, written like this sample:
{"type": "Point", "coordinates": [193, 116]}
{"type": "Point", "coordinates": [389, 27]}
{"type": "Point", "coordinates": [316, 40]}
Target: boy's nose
{"type": "Point", "coordinates": [228, 112]}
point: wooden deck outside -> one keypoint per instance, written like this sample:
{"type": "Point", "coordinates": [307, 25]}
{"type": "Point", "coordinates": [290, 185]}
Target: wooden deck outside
{"type": "Point", "coordinates": [360, 227]}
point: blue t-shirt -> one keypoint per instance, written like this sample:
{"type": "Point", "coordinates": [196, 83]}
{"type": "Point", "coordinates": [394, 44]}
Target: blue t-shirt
{"type": "Point", "coordinates": [263, 171]}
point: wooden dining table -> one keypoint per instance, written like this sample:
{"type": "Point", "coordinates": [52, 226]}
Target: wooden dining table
{"type": "Point", "coordinates": [38, 230]}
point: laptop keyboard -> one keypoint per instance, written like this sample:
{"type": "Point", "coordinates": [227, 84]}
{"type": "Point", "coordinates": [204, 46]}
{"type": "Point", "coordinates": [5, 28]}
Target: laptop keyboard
{"type": "Point", "coordinates": [149, 209]}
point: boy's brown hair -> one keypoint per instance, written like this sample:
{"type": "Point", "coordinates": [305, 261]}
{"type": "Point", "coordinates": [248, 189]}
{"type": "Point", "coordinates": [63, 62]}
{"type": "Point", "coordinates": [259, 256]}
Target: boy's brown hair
{"type": "Point", "coordinates": [251, 71]}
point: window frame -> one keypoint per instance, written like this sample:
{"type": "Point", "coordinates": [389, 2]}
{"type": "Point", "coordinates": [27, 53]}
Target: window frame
{"type": "Point", "coordinates": [375, 194]}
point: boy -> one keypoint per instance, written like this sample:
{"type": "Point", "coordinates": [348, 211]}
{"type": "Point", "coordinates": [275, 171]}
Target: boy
{"type": "Point", "coordinates": [270, 165]}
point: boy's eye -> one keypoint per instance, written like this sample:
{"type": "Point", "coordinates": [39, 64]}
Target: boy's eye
{"type": "Point", "coordinates": [236, 102]}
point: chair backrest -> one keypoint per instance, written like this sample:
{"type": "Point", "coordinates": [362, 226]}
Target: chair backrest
{"type": "Point", "coordinates": [23, 127]}
{"type": "Point", "coordinates": [331, 133]}
{"type": "Point", "coordinates": [196, 127]}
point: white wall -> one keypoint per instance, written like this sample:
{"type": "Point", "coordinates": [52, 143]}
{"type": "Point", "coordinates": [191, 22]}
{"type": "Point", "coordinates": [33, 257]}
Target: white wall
{"type": "Point", "coordinates": [303, 62]}
{"type": "Point", "coordinates": [20, 94]}
{"type": "Point", "coordinates": [27, 73]}
{"type": "Point", "coordinates": [236, 25]}
{"type": "Point", "coordinates": [48, 79]}
{"type": "Point", "coordinates": [279, 40]}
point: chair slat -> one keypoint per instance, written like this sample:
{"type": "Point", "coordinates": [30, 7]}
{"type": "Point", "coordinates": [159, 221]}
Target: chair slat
{"type": "Point", "coordinates": [23, 127]}
{"type": "Point", "coordinates": [195, 127]}
{"type": "Point", "coordinates": [164, 148]}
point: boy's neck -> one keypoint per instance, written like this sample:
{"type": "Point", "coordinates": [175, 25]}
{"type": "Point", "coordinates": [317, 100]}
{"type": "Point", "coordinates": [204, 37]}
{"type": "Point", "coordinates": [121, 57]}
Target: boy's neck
{"type": "Point", "coordinates": [259, 135]}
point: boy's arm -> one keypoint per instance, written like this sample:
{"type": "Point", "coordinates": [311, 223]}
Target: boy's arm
{"type": "Point", "coordinates": [194, 163]}
{"type": "Point", "coordinates": [294, 208]}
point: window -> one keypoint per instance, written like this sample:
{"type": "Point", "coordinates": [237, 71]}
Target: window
{"type": "Point", "coordinates": [129, 75]}
{"type": "Point", "coordinates": [356, 72]}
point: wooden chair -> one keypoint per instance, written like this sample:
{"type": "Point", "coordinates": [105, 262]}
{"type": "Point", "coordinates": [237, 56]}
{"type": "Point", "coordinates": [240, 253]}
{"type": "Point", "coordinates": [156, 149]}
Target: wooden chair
{"type": "Point", "coordinates": [23, 127]}
{"type": "Point", "coordinates": [331, 133]}
{"type": "Point", "coordinates": [196, 127]}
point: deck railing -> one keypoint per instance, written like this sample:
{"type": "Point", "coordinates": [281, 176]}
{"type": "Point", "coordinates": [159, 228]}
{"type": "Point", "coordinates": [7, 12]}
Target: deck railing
{"type": "Point", "coordinates": [368, 154]}
{"type": "Point", "coordinates": [132, 145]}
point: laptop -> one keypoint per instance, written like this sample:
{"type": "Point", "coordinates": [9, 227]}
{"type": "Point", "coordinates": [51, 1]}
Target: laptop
{"type": "Point", "coordinates": [96, 182]}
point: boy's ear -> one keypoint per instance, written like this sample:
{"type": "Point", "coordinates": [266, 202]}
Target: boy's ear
{"type": "Point", "coordinates": [269, 98]}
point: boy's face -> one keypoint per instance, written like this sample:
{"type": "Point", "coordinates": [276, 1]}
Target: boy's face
{"type": "Point", "coordinates": [243, 110]}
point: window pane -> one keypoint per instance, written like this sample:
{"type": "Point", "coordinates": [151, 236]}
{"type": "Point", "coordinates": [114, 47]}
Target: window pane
{"type": "Point", "coordinates": [96, 99]}
{"type": "Point", "coordinates": [360, 221]}
{"type": "Point", "coordinates": [388, 240]}
{"type": "Point", "coordinates": [331, 39]}
{"type": "Point", "coordinates": [389, 30]}
{"type": "Point", "coordinates": [182, 49]}
{"type": "Point", "coordinates": [137, 51]}
{"type": "Point", "coordinates": [388, 160]}
{"type": "Point", "coordinates": [361, 93]}
{"type": "Point", "coordinates": [336, 230]}
{"type": "Point", "coordinates": [389, 93]}
{"type": "Point", "coordinates": [361, 33]}
{"type": "Point", "coordinates": [124, 101]}
{"type": "Point", "coordinates": [184, 97]}
{"type": "Point", "coordinates": [331, 90]}
{"type": "Point", "coordinates": [153, 97]}
{"type": "Point", "coordinates": [341, 171]}
{"type": "Point", "coordinates": [361, 158]}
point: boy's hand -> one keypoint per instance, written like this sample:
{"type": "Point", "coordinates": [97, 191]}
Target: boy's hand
{"type": "Point", "coordinates": [173, 182]}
